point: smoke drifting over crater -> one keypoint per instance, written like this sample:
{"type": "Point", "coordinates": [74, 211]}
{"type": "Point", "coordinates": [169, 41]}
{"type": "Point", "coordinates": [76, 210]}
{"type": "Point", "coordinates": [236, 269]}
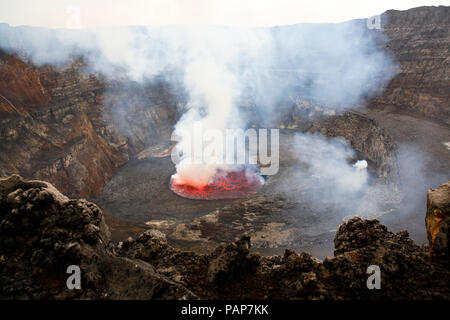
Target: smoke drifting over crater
{"type": "Point", "coordinates": [327, 163]}
{"type": "Point", "coordinates": [328, 171]}
{"type": "Point", "coordinates": [222, 68]}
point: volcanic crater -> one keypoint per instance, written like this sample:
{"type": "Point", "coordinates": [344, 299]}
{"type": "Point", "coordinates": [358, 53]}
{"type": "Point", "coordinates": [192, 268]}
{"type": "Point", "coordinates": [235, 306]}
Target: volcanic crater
{"type": "Point", "coordinates": [281, 214]}
{"type": "Point", "coordinates": [109, 141]}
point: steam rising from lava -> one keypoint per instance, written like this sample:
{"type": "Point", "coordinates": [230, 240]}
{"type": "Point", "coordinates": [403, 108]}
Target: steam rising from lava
{"type": "Point", "coordinates": [229, 184]}
{"type": "Point", "coordinates": [213, 92]}
{"type": "Point", "coordinates": [221, 69]}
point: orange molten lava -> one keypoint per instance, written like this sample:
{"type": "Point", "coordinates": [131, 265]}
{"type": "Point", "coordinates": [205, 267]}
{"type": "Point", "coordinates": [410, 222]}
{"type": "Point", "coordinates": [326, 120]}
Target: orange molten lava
{"type": "Point", "coordinates": [225, 185]}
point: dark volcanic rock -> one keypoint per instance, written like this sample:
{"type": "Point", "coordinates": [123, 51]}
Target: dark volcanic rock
{"type": "Point", "coordinates": [42, 233]}
{"type": "Point", "coordinates": [232, 272]}
{"type": "Point", "coordinates": [406, 271]}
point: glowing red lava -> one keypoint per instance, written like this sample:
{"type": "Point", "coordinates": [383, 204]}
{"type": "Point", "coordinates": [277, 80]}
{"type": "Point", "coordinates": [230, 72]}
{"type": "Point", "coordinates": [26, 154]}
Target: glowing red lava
{"type": "Point", "coordinates": [225, 185]}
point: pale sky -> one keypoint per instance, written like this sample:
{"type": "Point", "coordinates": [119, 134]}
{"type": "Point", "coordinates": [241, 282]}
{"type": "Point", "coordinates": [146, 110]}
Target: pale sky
{"type": "Point", "coordinates": [243, 13]}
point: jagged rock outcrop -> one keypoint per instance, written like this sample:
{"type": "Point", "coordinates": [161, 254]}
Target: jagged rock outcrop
{"type": "Point", "coordinates": [438, 222]}
{"type": "Point", "coordinates": [232, 272]}
{"type": "Point", "coordinates": [42, 232]}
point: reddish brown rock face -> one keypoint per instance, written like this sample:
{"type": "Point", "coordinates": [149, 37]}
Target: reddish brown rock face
{"type": "Point", "coordinates": [59, 145]}
{"type": "Point", "coordinates": [91, 156]}
{"type": "Point", "coordinates": [56, 125]}
{"type": "Point", "coordinates": [6, 107]}
{"type": "Point", "coordinates": [20, 85]}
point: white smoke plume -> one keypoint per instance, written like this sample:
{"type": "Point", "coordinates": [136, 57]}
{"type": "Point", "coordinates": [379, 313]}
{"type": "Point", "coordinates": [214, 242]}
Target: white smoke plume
{"type": "Point", "coordinates": [328, 163]}
{"type": "Point", "coordinates": [337, 64]}
{"type": "Point", "coordinates": [324, 175]}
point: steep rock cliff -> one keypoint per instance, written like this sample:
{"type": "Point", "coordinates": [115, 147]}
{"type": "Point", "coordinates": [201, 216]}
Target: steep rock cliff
{"type": "Point", "coordinates": [55, 124]}
{"type": "Point", "coordinates": [419, 38]}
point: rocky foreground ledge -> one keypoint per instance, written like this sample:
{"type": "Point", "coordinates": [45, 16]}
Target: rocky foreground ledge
{"type": "Point", "coordinates": [42, 232]}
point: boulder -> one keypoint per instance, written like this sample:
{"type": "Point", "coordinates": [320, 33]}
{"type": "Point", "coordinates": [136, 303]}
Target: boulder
{"type": "Point", "coordinates": [438, 222]}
